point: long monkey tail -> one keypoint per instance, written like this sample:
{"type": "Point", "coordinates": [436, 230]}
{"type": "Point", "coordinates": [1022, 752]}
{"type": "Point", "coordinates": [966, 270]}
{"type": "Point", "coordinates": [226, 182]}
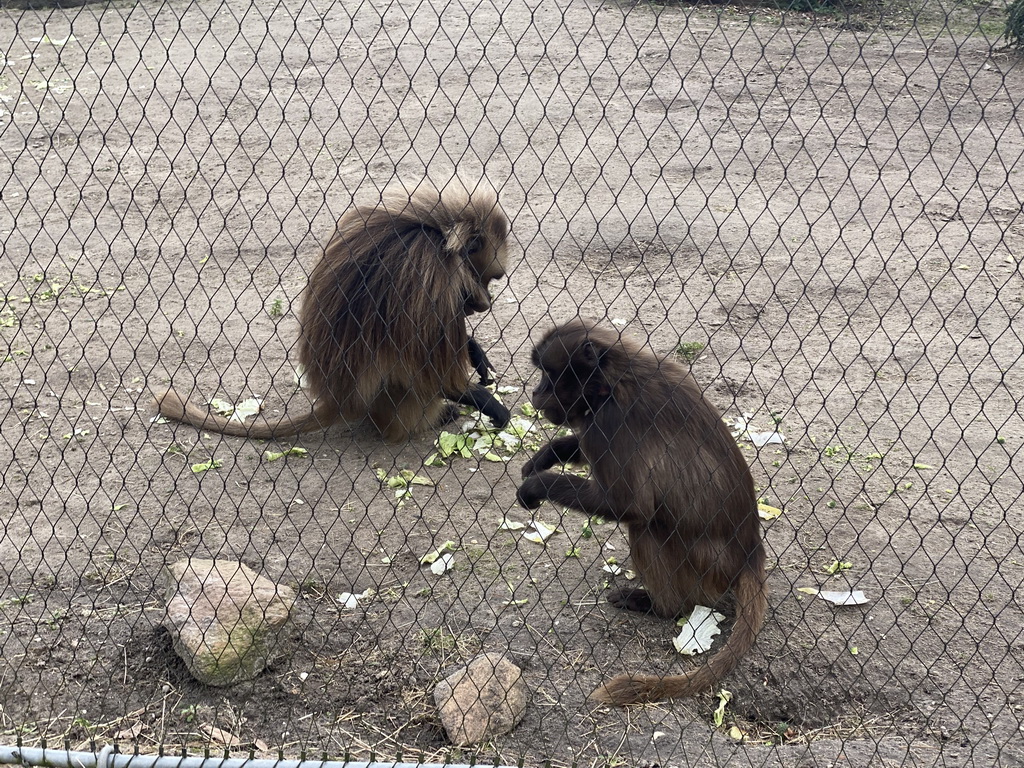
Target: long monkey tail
{"type": "Point", "coordinates": [751, 607]}
{"type": "Point", "coordinates": [172, 405]}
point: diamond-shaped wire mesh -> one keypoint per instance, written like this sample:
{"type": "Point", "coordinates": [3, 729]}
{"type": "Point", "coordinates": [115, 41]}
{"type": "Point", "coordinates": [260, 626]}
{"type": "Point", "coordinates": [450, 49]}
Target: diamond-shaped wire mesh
{"type": "Point", "coordinates": [819, 211]}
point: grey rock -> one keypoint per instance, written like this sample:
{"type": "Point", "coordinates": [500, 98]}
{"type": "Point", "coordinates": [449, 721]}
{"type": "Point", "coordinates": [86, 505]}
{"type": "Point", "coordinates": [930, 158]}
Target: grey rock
{"type": "Point", "coordinates": [483, 699]}
{"type": "Point", "coordinates": [227, 622]}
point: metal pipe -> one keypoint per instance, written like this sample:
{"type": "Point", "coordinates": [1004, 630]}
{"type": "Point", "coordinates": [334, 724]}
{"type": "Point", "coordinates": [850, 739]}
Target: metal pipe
{"type": "Point", "coordinates": [108, 758]}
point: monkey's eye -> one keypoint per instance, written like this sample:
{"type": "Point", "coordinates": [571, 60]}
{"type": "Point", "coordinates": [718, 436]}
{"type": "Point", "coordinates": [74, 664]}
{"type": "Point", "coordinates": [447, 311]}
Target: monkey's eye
{"type": "Point", "coordinates": [474, 246]}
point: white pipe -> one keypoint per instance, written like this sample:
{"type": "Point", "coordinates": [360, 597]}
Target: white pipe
{"type": "Point", "coordinates": [108, 758]}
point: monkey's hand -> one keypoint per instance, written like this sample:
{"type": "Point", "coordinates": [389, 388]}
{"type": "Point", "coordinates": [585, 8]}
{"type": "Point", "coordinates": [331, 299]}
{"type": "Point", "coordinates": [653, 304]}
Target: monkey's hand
{"type": "Point", "coordinates": [485, 402]}
{"type": "Point", "coordinates": [563, 450]}
{"type": "Point", "coordinates": [545, 458]}
{"type": "Point", "coordinates": [532, 492]}
{"type": "Point", "coordinates": [479, 360]}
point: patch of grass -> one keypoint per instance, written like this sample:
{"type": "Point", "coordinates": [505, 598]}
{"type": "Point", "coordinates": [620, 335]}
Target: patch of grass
{"type": "Point", "coordinates": [690, 350]}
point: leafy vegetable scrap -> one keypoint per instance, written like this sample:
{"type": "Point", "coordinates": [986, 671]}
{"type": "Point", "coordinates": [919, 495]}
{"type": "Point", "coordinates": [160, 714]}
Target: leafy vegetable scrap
{"type": "Point", "coordinates": [476, 439]}
{"type": "Point", "coordinates": [403, 482]}
{"type": "Point", "coordinates": [698, 631]}
{"type": "Point", "coordinates": [239, 412]}
{"type": "Point", "coordinates": [741, 430]}
{"type": "Point", "coordinates": [293, 451]}
{"type": "Point", "coordinates": [840, 597]}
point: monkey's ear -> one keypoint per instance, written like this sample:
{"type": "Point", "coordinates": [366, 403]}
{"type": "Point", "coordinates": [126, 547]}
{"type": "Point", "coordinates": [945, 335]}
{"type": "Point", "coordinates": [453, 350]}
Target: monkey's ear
{"type": "Point", "coordinates": [592, 354]}
{"type": "Point", "coordinates": [463, 240]}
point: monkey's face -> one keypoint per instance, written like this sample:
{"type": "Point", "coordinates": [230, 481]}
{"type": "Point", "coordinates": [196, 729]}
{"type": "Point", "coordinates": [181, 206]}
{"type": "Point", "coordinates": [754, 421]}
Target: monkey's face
{"type": "Point", "coordinates": [477, 298]}
{"type": "Point", "coordinates": [485, 255]}
{"type": "Point", "coordinates": [571, 384]}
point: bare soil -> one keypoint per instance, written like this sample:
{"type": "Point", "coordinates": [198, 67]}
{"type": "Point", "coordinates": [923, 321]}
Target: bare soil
{"type": "Point", "coordinates": [830, 205]}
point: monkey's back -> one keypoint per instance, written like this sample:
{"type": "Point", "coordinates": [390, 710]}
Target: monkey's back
{"type": "Point", "coordinates": [379, 313]}
{"type": "Point", "coordinates": [667, 447]}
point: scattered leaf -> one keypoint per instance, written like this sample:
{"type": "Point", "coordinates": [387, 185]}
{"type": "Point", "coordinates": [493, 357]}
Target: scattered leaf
{"type": "Point", "coordinates": [451, 443]}
{"type": "Point", "coordinates": [415, 479]}
{"type": "Point", "coordinates": [741, 429]}
{"type": "Point", "coordinates": [923, 466]}
{"type": "Point", "coordinates": [246, 409]}
{"type": "Point", "coordinates": [767, 512]}
{"type": "Point", "coordinates": [511, 525]}
{"type": "Point", "coordinates": [430, 557]}
{"type": "Point", "coordinates": [222, 407]}
{"type": "Point", "coordinates": [735, 733]}
{"type": "Point", "coordinates": [540, 533]}
{"type": "Point", "coordinates": [402, 482]}
{"type": "Point", "coordinates": [239, 412]}
{"type": "Point", "coordinates": [613, 568]}
{"type": "Point", "coordinates": [203, 466]}
{"type": "Point", "coordinates": [698, 631]}
{"type": "Point", "coordinates": [845, 597]}
{"type": "Point", "coordinates": [293, 451]}
{"type": "Point", "coordinates": [55, 41]}
{"type": "Point", "coordinates": [508, 390]}
{"type": "Point", "coordinates": [740, 423]}
{"type": "Point", "coordinates": [442, 564]}
{"type": "Point", "coordinates": [724, 697]}
{"type": "Point", "coordinates": [761, 439]}
{"type": "Point", "coordinates": [838, 566]}
{"type": "Point", "coordinates": [349, 600]}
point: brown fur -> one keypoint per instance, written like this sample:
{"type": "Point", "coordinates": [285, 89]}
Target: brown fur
{"type": "Point", "coordinates": [383, 320]}
{"type": "Point", "coordinates": [662, 463]}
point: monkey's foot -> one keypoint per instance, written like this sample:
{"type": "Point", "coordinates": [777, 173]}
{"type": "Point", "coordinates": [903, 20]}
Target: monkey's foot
{"type": "Point", "coordinates": [448, 414]}
{"type": "Point", "coordinates": [631, 599]}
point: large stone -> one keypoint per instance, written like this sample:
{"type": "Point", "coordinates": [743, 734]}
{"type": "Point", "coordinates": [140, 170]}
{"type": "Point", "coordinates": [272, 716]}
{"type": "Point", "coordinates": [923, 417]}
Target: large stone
{"type": "Point", "coordinates": [483, 699]}
{"type": "Point", "coordinates": [227, 622]}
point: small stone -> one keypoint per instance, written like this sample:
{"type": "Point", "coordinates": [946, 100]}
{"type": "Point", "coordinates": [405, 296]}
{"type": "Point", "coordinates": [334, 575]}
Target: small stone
{"type": "Point", "coordinates": [484, 699]}
{"type": "Point", "coordinates": [227, 622]}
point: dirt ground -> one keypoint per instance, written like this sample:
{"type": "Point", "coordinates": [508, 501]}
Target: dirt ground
{"type": "Point", "coordinates": [831, 206]}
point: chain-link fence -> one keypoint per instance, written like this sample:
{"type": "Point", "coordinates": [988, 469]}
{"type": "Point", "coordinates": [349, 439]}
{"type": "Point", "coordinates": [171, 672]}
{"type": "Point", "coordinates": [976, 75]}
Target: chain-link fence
{"type": "Point", "coordinates": [819, 210]}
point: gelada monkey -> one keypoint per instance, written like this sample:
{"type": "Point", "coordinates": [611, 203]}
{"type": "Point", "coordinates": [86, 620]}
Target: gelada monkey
{"type": "Point", "coordinates": [383, 320]}
{"type": "Point", "coordinates": [663, 464]}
